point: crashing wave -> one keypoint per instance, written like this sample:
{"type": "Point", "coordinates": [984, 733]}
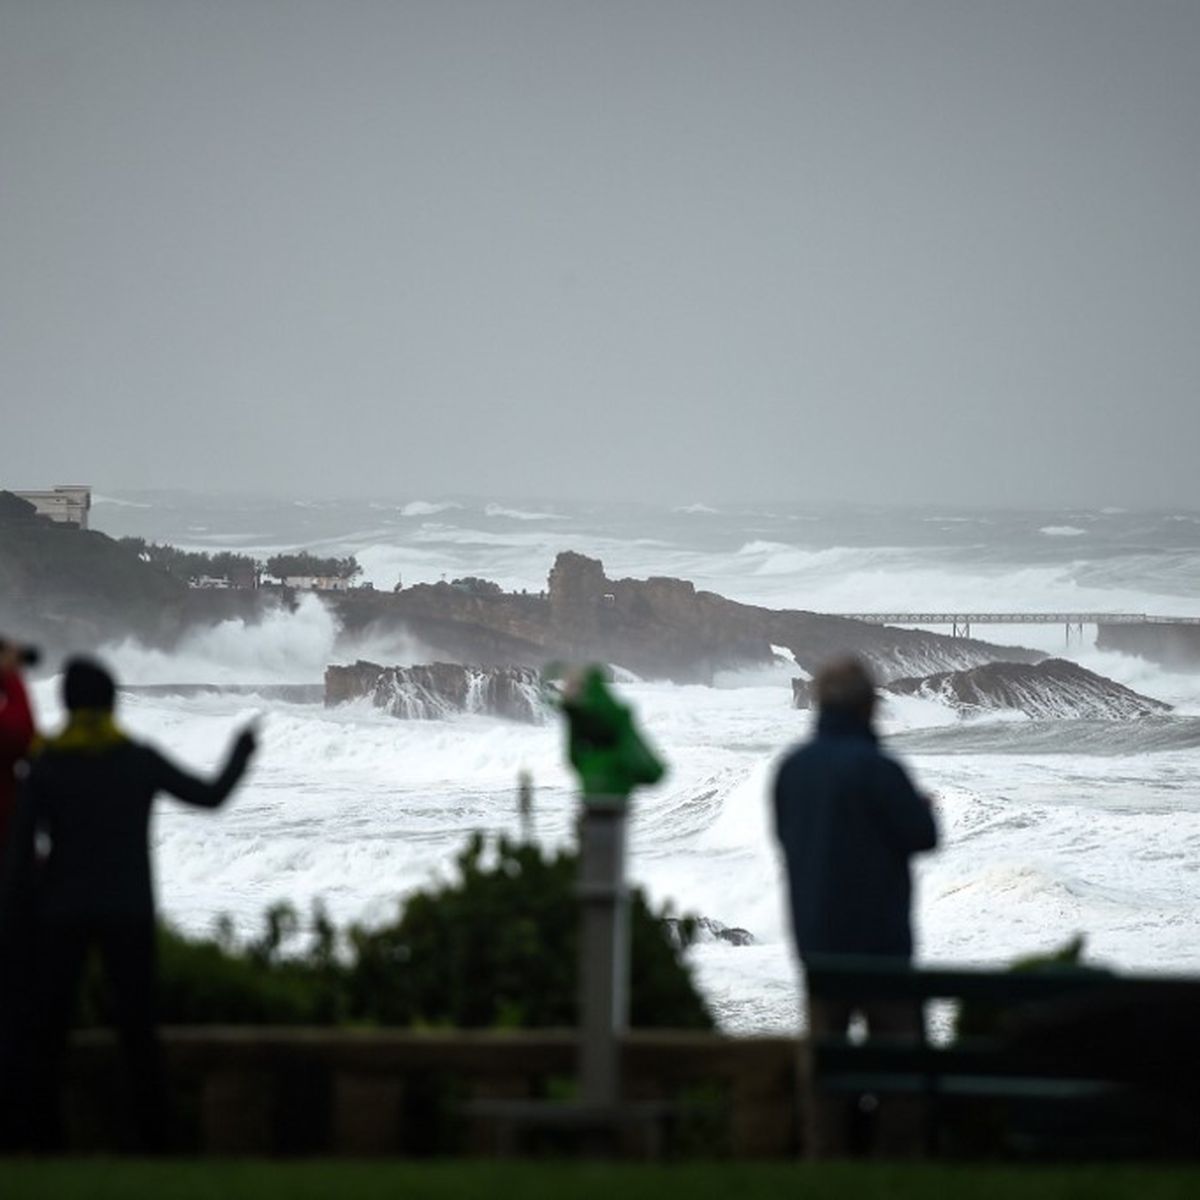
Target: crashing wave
{"type": "Point", "coordinates": [427, 508]}
{"type": "Point", "coordinates": [286, 693]}
{"type": "Point", "coordinates": [1099, 738]}
{"type": "Point", "coordinates": [933, 653]}
{"type": "Point", "coordinates": [1055, 688]}
{"type": "Point", "coordinates": [520, 514]}
{"type": "Point", "coordinates": [438, 690]}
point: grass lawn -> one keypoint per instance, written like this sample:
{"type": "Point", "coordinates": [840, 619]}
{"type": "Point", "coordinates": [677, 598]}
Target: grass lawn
{"type": "Point", "coordinates": [258, 1180]}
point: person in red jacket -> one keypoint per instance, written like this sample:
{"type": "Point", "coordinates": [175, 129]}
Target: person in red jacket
{"type": "Point", "coordinates": [16, 730]}
{"type": "Point", "coordinates": [16, 964]}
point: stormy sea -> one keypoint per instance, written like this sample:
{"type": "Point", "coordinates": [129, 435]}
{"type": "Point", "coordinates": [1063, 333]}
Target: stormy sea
{"type": "Point", "coordinates": [1052, 825]}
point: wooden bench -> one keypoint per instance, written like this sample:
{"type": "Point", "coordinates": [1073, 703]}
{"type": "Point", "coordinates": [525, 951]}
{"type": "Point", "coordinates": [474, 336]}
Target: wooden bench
{"type": "Point", "coordinates": [1071, 1062]}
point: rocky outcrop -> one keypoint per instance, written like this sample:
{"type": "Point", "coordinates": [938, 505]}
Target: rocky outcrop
{"type": "Point", "coordinates": [438, 690]}
{"type": "Point", "coordinates": [658, 628]}
{"type": "Point", "coordinates": [1054, 688]}
{"type": "Point", "coordinates": [802, 696]}
{"type": "Point", "coordinates": [708, 930]}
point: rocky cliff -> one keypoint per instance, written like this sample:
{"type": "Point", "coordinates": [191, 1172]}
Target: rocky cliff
{"type": "Point", "coordinates": [1054, 688]}
{"type": "Point", "coordinates": [658, 628]}
{"type": "Point", "coordinates": [71, 589]}
{"type": "Point", "coordinates": [439, 690]}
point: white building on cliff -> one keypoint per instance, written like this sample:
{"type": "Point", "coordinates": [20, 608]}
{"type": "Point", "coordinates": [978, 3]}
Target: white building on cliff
{"type": "Point", "coordinates": [67, 504]}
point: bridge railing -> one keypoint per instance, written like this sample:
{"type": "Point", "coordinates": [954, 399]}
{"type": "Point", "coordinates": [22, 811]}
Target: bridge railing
{"type": "Point", "coordinates": [1015, 618]}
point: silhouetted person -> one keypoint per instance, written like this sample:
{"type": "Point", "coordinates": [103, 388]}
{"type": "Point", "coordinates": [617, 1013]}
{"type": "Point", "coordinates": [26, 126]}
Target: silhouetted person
{"type": "Point", "coordinates": [849, 821]}
{"type": "Point", "coordinates": [88, 796]}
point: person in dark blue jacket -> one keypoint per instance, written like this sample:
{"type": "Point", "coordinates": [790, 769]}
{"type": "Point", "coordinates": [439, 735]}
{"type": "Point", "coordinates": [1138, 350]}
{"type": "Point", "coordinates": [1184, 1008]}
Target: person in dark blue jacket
{"type": "Point", "coordinates": [849, 820]}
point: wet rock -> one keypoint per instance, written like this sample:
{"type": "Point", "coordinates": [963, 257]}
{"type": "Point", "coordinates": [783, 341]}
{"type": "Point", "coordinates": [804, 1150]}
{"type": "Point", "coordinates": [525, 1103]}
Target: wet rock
{"type": "Point", "coordinates": [438, 690]}
{"type": "Point", "coordinates": [708, 930]}
{"type": "Point", "coordinates": [1054, 688]}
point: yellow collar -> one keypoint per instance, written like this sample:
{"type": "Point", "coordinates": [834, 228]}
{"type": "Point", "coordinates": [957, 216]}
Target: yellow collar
{"type": "Point", "coordinates": [88, 731]}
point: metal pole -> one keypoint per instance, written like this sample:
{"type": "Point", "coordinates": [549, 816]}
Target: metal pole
{"type": "Point", "coordinates": [603, 949]}
{"type": "Point", "coordinates": [525, 806]}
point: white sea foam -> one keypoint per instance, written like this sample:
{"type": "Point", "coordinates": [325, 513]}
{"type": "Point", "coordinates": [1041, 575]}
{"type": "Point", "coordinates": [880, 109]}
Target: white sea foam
{"type": "Point", "coordinates": [427, 508]}
{"type": "Point", "coordinates": [116, 502]}
{"type": "Point", "coordinates": [285, 647]}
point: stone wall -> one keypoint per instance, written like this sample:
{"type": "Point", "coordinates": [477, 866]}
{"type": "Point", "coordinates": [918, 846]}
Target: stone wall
{"type": "Point", "coordinates": [274, 1091]}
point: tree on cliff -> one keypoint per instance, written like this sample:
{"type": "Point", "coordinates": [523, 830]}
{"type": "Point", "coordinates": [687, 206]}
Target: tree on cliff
{"type": "Point", "coordinates": [291, 566]}
{"type": "Point", "coordinates": [474, 586]}
{"type": "Point", "coordinates": [191, 565]}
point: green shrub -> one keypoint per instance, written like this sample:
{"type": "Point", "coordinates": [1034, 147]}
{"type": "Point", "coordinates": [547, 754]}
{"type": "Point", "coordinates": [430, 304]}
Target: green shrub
{"type": "Point", "coordinates": [497, 946]}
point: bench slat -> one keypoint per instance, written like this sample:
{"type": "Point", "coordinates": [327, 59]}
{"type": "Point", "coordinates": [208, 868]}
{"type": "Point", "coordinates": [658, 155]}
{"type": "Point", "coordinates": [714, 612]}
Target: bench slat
{"type": "Point", "coordinates": [881, 979]}
{"type": "Point", "coordinates": [980, 1087]}
{"type": "Point", "coordinates": [978, 1056]}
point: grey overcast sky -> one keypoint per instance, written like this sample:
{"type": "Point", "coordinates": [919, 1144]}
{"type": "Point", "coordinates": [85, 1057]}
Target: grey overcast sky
{"type": "Point", "coordinates": [663, 249]}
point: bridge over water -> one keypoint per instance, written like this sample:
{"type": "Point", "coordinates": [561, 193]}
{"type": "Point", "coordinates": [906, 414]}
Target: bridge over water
{"type": "Point", "coordinates": [960, 622]}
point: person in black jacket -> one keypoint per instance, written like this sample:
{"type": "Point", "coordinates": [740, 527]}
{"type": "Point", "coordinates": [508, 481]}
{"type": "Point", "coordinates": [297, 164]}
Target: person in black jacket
{"type": "Point", "coordinates": [849, 820]}
{"type": "Point", "coordinates": [88, 798]}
